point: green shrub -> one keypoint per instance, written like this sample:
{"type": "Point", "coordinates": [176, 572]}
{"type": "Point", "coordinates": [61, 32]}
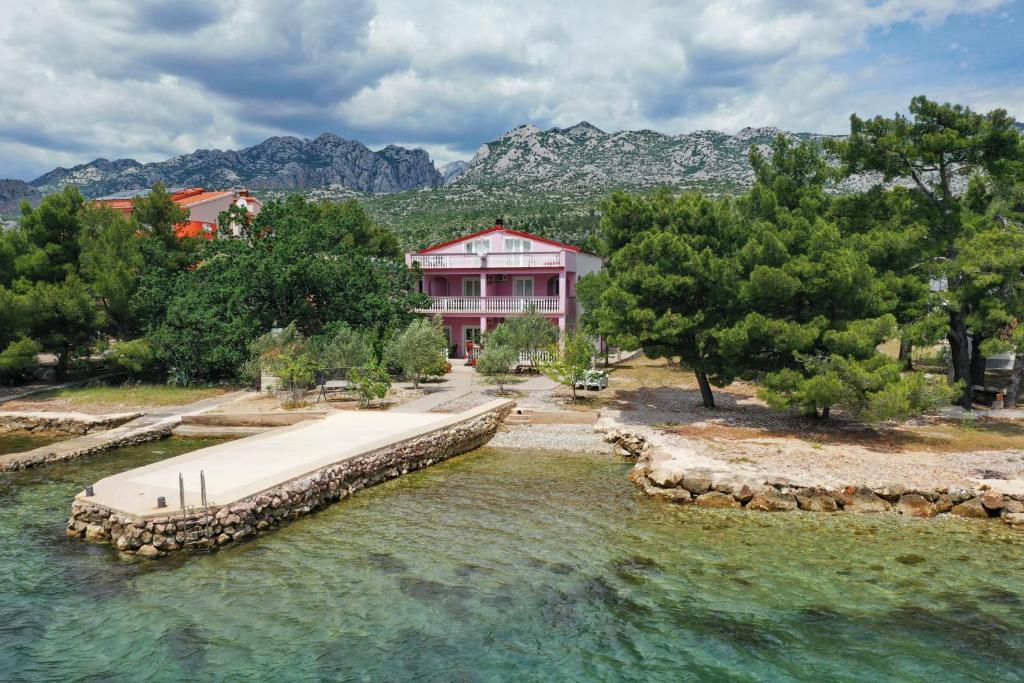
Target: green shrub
{"type": "Point", "coordinates": [496, 363]}
{"type": "Point", "coordinates": [370, 381]}
{"type": "Point", "coordinates": [19, 356]}
{"type": "Point", "coordinates": [135, 356]}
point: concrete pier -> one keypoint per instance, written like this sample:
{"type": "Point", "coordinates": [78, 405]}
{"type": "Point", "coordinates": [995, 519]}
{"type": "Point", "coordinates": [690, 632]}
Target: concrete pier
{"type": "Point", "coordinates": [258, 482]}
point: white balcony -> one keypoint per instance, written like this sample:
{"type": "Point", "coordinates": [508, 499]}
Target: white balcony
{"type": "Point", "coordinates": [537, 259]}
{"type": "Point", "coordinates": [540, 259]}
{"type": "Point", "coordinates": [505, 305]}
{"type": "Point", "coordinates": [434, 261]}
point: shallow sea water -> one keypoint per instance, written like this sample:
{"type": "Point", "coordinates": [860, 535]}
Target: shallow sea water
{"type": "Point", "coordinates": [506, 565]}
{"type": "Point", "coordinates": [19, 442]}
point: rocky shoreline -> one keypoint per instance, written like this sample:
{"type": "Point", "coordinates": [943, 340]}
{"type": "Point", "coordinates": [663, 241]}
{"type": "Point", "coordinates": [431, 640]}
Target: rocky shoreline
{"type": "Point", "coordinates": [659, 475]}
{"type": "Point", "coordinates": [158, 536]}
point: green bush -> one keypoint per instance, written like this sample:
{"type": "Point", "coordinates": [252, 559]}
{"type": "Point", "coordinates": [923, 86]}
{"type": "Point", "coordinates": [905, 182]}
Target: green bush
{"type": "Point", "coordinates": [370, 381]}
{"type": "Point", "coordinates": [496, 363]}
{"type": "Point", "coordinates": [19, 356]}
{"type": "Point", "coordinates": [419, 349]}
{"type": "Point", "coordinates": [135, 356]}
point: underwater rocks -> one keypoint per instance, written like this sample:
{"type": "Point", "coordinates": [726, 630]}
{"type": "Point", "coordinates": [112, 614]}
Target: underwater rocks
{"type": "Point", "coordinates": [660, 477]}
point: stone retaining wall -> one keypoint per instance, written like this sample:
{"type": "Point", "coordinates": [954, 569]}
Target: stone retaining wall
{"type": "Point", "coordinates": [61, 423]}
{"type": "Point", "coordinates": [714, 490]}
{"type": "Point", "coordinates": [84, 446]}
{"type": "Point", "coordinates": [158, 536]}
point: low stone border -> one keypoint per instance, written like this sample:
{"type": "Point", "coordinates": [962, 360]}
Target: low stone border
{"type": "Point", "coordinates": [158, 536]}
{"type": "Point", "coordinates": [60, 422]}
{"type": "Point", "coordinates": [85, 446]}
{"type": "Point", "coordinates": [709, 489]}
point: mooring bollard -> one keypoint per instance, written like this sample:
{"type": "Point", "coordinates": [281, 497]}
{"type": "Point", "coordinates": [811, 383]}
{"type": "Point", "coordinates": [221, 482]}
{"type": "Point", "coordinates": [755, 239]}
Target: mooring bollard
{"type": "Point", "coordinates": [161, 502]}
{"type": "Point", "coordinates": [89, 492]}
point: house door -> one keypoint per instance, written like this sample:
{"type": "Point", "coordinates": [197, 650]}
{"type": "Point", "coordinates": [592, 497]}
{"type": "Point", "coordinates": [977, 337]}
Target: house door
{"type": "Point", "coordinates": [470, 335]}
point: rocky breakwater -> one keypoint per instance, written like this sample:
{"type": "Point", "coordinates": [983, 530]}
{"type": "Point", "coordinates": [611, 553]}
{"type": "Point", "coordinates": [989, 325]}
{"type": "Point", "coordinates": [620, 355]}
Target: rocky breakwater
{"type": "Point", "coordinates": [690, 479]}
{"type": "Point", "coordinates": [156, 536]}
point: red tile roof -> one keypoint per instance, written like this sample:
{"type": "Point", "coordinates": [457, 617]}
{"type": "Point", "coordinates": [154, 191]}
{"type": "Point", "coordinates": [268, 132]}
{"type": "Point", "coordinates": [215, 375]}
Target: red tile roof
{"type": "Point", "coordinates": [499, 228]}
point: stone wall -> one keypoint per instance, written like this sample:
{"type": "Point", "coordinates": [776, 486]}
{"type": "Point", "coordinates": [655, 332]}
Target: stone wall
{"type": "Point", "coordinates": [158, 536]}
{"type": "Point", "coordinates": [84, 446]}
{"type": "Point", "coordinates": [709, 489]}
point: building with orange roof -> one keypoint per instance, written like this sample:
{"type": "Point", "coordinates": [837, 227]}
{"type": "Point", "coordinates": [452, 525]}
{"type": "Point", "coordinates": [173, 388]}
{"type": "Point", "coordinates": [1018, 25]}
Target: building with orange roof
{"type": "Point", "coordinates": [203, 206]}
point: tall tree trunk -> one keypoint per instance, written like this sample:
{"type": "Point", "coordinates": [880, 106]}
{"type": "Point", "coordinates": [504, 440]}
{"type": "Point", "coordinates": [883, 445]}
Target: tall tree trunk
{"type": "Point", "coordinates": [977, 360]}
{"type": "Point", "coordinates": [705, 388]}
{"type": "Point", "coordinates": [1010, 400]}
{"type": "Point", "coordinates": [826, 412]}
{"type": "Point", "coordinates": [905, 348]}
{"type": "Point", "coordinates": [960, 357]}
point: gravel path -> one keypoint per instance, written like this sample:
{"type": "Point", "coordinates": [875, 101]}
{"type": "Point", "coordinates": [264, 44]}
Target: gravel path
{"type": "Point", "coordinates": [555, 437]}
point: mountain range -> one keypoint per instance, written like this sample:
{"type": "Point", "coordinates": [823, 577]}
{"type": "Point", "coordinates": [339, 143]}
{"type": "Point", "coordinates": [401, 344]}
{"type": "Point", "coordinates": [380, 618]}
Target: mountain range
{"type": "Point", "coordinates": [278, 162]}
{"type": "Point", "coordinates": [577, 159]}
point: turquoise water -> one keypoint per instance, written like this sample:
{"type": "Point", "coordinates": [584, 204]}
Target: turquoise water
{"type": "Point", "coordinates": [19, 442]}
{"type": "Point", "coordinates": [503, 565]}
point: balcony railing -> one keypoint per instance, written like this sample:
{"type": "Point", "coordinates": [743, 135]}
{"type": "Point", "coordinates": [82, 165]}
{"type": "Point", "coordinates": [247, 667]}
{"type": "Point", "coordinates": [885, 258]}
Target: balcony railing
{"type": "Point", "coordinates": [541, 259]}
{"type": "Point", "coordinates": [537, 259]}
{"type": "Point", "coordinates": [427, 261]}
{"type": "Point", "coordinates": [493, 304]}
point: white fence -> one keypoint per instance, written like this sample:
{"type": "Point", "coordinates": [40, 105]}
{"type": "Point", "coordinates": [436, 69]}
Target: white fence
{"type": "Point", "coordinates": [536, 259]}
{"type": "Point", "coordinates": [493, 304]}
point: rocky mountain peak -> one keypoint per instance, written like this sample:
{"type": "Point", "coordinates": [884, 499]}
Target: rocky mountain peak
{"type": "Point", "coordinates": [278, 162]}
{"type": "Point", "coordinates": [581, 130]}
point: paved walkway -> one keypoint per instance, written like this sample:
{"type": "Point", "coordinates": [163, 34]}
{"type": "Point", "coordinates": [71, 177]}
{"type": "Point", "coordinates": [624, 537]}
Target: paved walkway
{"type": "Point", "coordinates": [461, 381]}
{"type": "Point", "coordinates": [239, 469]}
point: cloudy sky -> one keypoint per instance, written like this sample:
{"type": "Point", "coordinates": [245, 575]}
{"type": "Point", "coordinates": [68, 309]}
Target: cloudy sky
{"type": "Point", "coordinates": [150, 79]}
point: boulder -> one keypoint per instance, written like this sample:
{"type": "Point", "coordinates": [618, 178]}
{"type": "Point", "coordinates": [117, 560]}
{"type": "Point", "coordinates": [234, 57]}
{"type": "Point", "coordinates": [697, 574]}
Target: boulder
{"type": "Point", "coordinates": [817, 501]}
{"type": "Point", "coordinates": [943, 504]}
{"type": "Point", "coordinates": [94, 532]}
{"type": "Point", "coordinates": [915, 505]}
{"type": "Point", "coordinates": [664, 475]}
{"type": "Point", "coordinates": [862, 500]}
{"type": "Point", "coordinates": [993, 500]}
{"type": "Point", "coordinates": [971, 508]}
{"type": "Point", "coordinates": [697, 484]}
{"type": "Point", "coordinates": [716, 499]}
{"type": "Point", "coordinates": [1012, 506]}
{"type": "Point", "coordinates": [676, 495]}
{"type": "Point", "coordinates": [890, 493]}
{"type": "Point", "coordinates": [770, 500]}
{"type": "Point", "coordinates": [1014, 519]}
{"type": "Point", "coordinates": [744, 493]}
{"type": "Point", "coordinates": [148, 551]}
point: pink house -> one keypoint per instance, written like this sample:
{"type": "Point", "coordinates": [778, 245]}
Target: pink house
{"type": "Point", "coordinates": [477, 281]}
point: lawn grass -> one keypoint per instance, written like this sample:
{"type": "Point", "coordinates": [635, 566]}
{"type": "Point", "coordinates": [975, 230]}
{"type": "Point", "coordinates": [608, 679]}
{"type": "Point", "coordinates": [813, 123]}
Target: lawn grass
{"type": "Point", "coordinates": [126, 395]}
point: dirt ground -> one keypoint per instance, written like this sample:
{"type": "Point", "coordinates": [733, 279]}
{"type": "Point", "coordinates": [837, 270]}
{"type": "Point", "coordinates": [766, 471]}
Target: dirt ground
{"type": "Point", "coordinates": [743, 430]}
{"type": "Point", "coordinates": [102, 400]}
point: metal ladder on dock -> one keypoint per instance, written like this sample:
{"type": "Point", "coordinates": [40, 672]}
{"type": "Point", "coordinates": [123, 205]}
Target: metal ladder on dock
{"type": "Point", "coordinates": [196, 521]}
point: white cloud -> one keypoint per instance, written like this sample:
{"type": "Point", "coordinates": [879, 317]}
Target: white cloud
{"type": "Point", "coordinates": [93, 78]}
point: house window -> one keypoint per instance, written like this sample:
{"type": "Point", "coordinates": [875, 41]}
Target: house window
{"type": "Point", "coordinates": [524, 286]}
{"type": "Point", "coordinates": [478, 247]}
{"type": "Point", "coordinates": [471, 287]}
{"type": "Point", "coordinates": [516, 245]}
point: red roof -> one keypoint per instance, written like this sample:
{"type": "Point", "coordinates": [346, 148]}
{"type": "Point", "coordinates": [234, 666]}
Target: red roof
{"type": "Point", "coordinates": [499, 228]}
